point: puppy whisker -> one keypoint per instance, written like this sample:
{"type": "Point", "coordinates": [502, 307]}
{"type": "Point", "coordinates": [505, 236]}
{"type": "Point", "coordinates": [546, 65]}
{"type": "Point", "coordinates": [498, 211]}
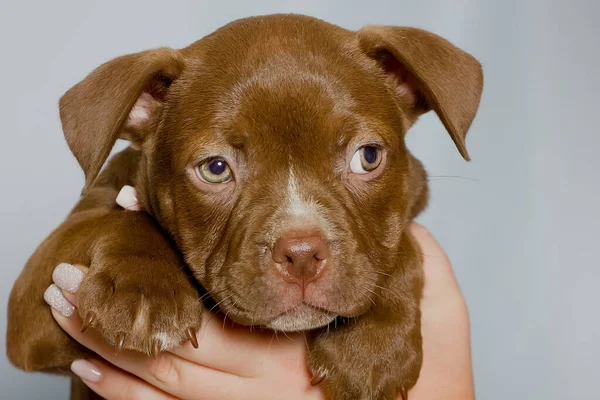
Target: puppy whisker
{"type": "Point", "coordinates": [373, 292]}
{"type": "Point", "coordinates": [383, 288]}
{"type": "Point", "coordinates": [215, 306]}
{"type": "Point", "coordinates": [227, 313]}
{"type": "Point", "coordinates": [271, 342]}
{"type": "Point", "coordinates": [206, 295]}
{"type": "Point", "coordinates": [306, 341]}
{"type": "Point", "coordinates": [440, 177]}
{"type": "Point", "coordinates": [382, 273]}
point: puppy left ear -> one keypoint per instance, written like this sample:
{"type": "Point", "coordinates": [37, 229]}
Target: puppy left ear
{"type": "Point", "coordinates": [428, 73]}
{"type": "Point", "coordinates": [120, 99]}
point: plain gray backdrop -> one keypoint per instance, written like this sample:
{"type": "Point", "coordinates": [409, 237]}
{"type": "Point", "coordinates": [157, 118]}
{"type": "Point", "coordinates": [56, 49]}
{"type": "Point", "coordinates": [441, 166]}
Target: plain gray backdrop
{"type": "Point", "coordinates": [519, 222]}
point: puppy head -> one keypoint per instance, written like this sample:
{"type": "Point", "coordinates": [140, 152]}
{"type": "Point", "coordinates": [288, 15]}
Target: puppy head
{"type": "Point", "coordinates": [273, 152]}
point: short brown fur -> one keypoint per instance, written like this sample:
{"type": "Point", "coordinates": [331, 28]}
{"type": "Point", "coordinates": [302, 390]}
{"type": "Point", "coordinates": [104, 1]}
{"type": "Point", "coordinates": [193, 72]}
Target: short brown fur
{"type": "Point", "coordinates": [277, 93]}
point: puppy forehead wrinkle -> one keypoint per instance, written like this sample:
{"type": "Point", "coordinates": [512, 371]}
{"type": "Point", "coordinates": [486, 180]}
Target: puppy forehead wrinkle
{"type": "Point", "coordinates": [273, 73]}
{"type": "Point", "coordinates": [237, 139]}
{"type": "Point", "coordinates": [209, 144]}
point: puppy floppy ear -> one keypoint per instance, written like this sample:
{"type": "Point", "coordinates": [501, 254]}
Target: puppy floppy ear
{"type": "Point", "coordinates": [120, 99]}
{"type": "Point", "coordinates": [428, 73]}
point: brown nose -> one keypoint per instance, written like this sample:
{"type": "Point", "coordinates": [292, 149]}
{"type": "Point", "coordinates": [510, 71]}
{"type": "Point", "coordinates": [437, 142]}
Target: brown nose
{"type": "Point", "coordinates": [300, 258]}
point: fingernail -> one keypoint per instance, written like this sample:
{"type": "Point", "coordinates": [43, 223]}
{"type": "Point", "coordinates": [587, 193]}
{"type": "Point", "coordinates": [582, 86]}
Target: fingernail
{"type": "Point", "coordinates": [67, 277]}
{"type": "Point", "coordinates": [56, 300]}
{"type": "Point", "coordinates": [127, 198]}
{"type": "Point", "coordinates": [86, 370]}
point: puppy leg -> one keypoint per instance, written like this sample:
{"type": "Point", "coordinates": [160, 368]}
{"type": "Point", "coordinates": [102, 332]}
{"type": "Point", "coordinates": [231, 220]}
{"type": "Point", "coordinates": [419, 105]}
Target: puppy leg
{"type": "Point", "coordinates": [34, 341]}
{"type": "Point", "coordinates": [378, 355]}
{"type": "Point", "coordinates": [138, 289]}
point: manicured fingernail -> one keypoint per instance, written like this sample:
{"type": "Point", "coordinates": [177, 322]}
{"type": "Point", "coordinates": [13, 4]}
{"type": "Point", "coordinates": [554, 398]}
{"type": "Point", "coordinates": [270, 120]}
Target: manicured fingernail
{"type": "Point", "coordinates": [86, 370]}
{"type": "Point", "coordinates": [67, 277]}
{"type": "Point", "coordinates": [127, 198]}
{"type": "Point", "coordinates": [56, 300]}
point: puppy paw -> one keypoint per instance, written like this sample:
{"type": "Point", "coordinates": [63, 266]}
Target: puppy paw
{"type": "Point", "coordinates": [139, 303]}
{"type": "Point", "coordinates": [352, 363]}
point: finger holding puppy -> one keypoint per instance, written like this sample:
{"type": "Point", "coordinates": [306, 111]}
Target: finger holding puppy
{"type": "Point", "coordinates": [113, 383]}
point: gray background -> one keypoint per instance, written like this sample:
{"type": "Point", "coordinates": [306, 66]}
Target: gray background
{"type": "Point", "coordinates": [519, 222]}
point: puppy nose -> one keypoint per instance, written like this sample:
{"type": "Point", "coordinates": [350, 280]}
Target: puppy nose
{"type": "Point", "coordinates": [300, 258]}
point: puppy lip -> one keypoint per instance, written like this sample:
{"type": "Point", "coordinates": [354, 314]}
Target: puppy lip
{"type": "Point", "coordinates": [304, 306]}
{"type": "Point", "coordinates": [301, 317]}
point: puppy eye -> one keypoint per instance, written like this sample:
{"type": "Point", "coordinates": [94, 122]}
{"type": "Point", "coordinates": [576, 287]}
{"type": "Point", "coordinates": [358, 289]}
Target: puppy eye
{"type": "Point", "coordinates": [365, 160]}
{"type": "Point", "coordinates": [214, 170]}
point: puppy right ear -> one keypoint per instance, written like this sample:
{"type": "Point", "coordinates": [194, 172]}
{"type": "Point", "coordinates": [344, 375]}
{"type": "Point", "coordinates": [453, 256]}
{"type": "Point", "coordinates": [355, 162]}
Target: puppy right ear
{"type": "Point", "coordinates": [120, 99]}
{"type": "Point", "coordinates": [428, 73]}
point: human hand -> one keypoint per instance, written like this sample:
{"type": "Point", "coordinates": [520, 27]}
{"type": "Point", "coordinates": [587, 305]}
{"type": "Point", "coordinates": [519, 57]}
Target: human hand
{"type": "Point", "coordinates": [233, 362]}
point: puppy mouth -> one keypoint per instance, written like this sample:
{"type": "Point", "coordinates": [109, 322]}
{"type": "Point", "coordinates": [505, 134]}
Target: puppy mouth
{"type": "Point", "coordinates": [302, 317]}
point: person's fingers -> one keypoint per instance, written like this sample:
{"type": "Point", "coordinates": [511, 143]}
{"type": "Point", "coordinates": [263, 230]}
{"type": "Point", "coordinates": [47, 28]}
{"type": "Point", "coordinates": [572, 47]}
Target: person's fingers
{"type": "Point", "coordinates": [115, 384]}
{"type": "Point", "coordinates": [68, 277]}
{"type": "Point", "coordinates": [225, 346]}
{"type": "Point", "coordinates": [222, 346]}
{"type": "Point", "coordinates": [167, 371]}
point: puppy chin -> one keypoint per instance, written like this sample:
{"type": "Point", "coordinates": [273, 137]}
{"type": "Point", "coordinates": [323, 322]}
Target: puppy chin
{"type": "Point", "coordinates": [301, 318]}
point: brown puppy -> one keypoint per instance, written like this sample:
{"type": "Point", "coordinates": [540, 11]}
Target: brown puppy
{"type": "Point", "coordinates": [270, 160]}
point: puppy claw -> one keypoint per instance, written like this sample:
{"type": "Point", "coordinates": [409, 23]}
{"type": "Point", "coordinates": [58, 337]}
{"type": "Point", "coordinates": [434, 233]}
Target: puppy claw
{"type": "Point", "coordinates": [155, 349]}
{"type": "Point", "coordinates": [191, 334]}
{"type": "Point", "coordinates": [119, 343]}
{"type": "Point", "coordinates": [317, 378]}
{"type": "Point", "coordinates": [403, 394]}
{"type": "Point", "coordinates": [88, 321]}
